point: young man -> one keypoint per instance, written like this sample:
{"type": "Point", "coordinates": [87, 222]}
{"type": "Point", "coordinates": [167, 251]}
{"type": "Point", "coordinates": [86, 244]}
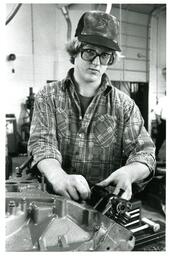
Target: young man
{"type": "Point", "coordinates": [83, 127]}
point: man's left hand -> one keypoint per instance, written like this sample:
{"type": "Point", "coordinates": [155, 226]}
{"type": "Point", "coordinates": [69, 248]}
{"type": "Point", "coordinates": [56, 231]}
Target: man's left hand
{"type": "Point", "coordinates": [122, 179]}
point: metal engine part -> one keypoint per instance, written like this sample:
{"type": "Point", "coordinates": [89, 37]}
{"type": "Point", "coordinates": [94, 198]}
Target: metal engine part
{"type": "Point", "coordinates": [39, 221]}
{"type": "Point", "coordinates": [113, 206]}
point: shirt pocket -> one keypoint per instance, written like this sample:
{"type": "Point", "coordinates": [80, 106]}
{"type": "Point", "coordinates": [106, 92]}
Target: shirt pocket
{"type": "Point", "coordinates": [104, 130]}
{"type": "Point", "coordinates": [62, 122]}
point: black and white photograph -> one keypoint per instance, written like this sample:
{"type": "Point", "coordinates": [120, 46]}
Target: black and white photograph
{"type": "Point", "coordinates": [85, 126]}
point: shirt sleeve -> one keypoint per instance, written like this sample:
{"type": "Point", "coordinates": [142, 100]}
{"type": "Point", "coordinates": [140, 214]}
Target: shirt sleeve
{"type": "Point", "coordinates": [137, 143]}
{"type": "Point", "coordinates": [43, 142]}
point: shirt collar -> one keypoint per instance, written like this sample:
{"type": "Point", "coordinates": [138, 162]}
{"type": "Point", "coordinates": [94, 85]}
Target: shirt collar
{"type": "Point", "coordinates": [68, 81]}
{"type": "Point", "coordinates": [105, 86]}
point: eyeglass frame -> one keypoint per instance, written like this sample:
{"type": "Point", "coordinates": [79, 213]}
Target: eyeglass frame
{"type": "Point", "coordinates": [111, 59]}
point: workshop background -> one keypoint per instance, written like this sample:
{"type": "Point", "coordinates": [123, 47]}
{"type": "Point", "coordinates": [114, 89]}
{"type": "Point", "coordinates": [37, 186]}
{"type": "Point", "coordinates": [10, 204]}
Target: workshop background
{"type": "Point", "coordinates": [35, 55]}
{"type": "Point", "coordinates": [36, 35]}
{"type": "Point", "coordinates": [36, 38]}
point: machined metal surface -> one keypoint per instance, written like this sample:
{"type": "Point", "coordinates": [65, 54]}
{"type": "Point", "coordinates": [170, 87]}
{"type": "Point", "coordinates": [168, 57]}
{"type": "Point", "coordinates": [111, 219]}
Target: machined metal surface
{"type": "Point", "coordinates": [39, 221]}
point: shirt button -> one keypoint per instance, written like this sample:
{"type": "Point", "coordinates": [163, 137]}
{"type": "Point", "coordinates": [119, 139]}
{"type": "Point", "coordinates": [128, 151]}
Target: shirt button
{"type": "Point", "coordinates": [102, 118]}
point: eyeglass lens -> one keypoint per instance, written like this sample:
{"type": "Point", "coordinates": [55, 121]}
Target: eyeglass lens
{"type": "Point", "coordinates": [90, 55]}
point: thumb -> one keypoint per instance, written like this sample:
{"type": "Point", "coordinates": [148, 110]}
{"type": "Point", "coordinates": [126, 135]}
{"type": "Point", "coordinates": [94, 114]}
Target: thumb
{"type": "Point", "coordinates": [104, 183]}
{"type": "Point", "coordinates": [116, 190]}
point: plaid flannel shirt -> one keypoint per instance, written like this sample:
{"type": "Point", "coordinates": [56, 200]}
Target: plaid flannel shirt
{"type": "Point", "coordinates": [95, 145]}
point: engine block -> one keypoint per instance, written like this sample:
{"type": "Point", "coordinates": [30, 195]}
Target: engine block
{"type": "Point", "coordinates": [39, 221]}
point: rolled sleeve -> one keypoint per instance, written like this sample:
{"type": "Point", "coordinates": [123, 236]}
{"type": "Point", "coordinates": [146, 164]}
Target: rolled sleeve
{"type": "Point", "coordinates": [43, 142]}
{"type": "Point", "coordinates": [138, 145]}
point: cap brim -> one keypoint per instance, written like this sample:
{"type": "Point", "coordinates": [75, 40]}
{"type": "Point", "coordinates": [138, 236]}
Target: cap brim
{"type": "Point", "coordinates": [100, 40]}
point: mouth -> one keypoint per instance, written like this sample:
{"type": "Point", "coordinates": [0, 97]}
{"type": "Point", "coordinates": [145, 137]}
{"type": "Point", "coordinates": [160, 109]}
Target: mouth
{"type": "Point", "coordinates": [94, 70]}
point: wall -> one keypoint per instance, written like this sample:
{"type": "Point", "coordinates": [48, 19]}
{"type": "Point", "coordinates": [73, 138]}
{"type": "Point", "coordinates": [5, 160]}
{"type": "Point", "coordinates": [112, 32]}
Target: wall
{"type": "Point", "coordinates": [157, 55]}
{"type": "Point", "coordinates": [133, 41]}
{"type": "Point", "coordinates": [37, 36]}
{"type": "Point", "coordinates": [31, 35]}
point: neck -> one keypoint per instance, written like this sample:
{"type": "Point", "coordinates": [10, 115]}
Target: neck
{"type": "Point", "coordinates": [86, 88]}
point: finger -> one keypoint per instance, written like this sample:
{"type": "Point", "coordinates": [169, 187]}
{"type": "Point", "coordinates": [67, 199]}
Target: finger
{"type": "Point", "coordinates": [86, 185]}
{"type": "Point", "coordinates": [117, 190]}
{"type": "Point", "coordinates": [64, 193]}
{"type": "Point", "coordinates": [73, 193]}
{"type": "Point", "coordinates": [104, 183]}
{"type": "Point", "coordinates": [82, 190]}
{"type": "Point", "coordinates": [84, 181]}
{"type": "Point", "coordinates": [126, 195]}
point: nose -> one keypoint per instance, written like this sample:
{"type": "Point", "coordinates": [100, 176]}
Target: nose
{"type": "Point", "coordinates": [96, 61]}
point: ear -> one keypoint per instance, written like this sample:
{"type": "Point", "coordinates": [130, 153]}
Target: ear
{"type": "Point", "coordinates": [112, 58]}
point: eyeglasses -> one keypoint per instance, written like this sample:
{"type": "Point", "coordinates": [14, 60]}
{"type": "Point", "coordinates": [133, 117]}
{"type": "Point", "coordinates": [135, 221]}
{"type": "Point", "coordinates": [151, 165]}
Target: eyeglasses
{"type": "Point", "coordinates": [91, 54]}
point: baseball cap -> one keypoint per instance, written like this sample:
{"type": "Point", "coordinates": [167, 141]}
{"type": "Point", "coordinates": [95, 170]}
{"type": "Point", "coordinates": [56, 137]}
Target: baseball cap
{"type": "Point", "coordinates": [99, 28]}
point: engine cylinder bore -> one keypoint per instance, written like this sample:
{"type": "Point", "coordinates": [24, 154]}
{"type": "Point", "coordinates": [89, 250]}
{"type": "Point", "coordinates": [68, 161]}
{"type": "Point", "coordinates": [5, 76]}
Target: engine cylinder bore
{"type": "Point", "coordinates": [11, 187]}
{"type": "Point", "coordinates": [12, 208]}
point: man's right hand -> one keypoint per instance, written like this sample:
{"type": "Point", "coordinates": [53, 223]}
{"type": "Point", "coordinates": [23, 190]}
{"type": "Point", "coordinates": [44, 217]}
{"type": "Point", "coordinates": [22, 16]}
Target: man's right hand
{"type": "Point", "coordinates": [70, 185]}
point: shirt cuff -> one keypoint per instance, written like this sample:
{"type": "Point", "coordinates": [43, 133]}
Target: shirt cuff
{"type": "Point", "coordinates": [39, 155]}
{"type": "Point", "coordinates": [150, 162]}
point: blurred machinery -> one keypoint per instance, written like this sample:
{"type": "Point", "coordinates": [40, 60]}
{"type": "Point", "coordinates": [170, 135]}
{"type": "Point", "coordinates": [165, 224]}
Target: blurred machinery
{"type": "Point", "coordinates": [25, 127]}
{"type": "Point", "coordinates": [16, 142]}
{"type": "Point", "coordinates": [37, 220]}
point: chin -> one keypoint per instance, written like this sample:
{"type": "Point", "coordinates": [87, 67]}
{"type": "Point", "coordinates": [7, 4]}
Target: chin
{"type": "Point", "coordinates": [92, 78]}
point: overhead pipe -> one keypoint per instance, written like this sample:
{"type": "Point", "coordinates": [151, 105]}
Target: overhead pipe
{"type": "Point", "coordinates": [108, 8]}
{"type": "Point", "coordinates": [120, 41]}
{"type": "Point", "coordinates": [13, 13]}
{"type": "Point", "coordinates": [148, 32]}
{"type": "Point", "coordinates": [154, 13]}
{"type": "Point", "coordinates": [65, 12]}
{"type": "Point", "coordinates": [33, 42]}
